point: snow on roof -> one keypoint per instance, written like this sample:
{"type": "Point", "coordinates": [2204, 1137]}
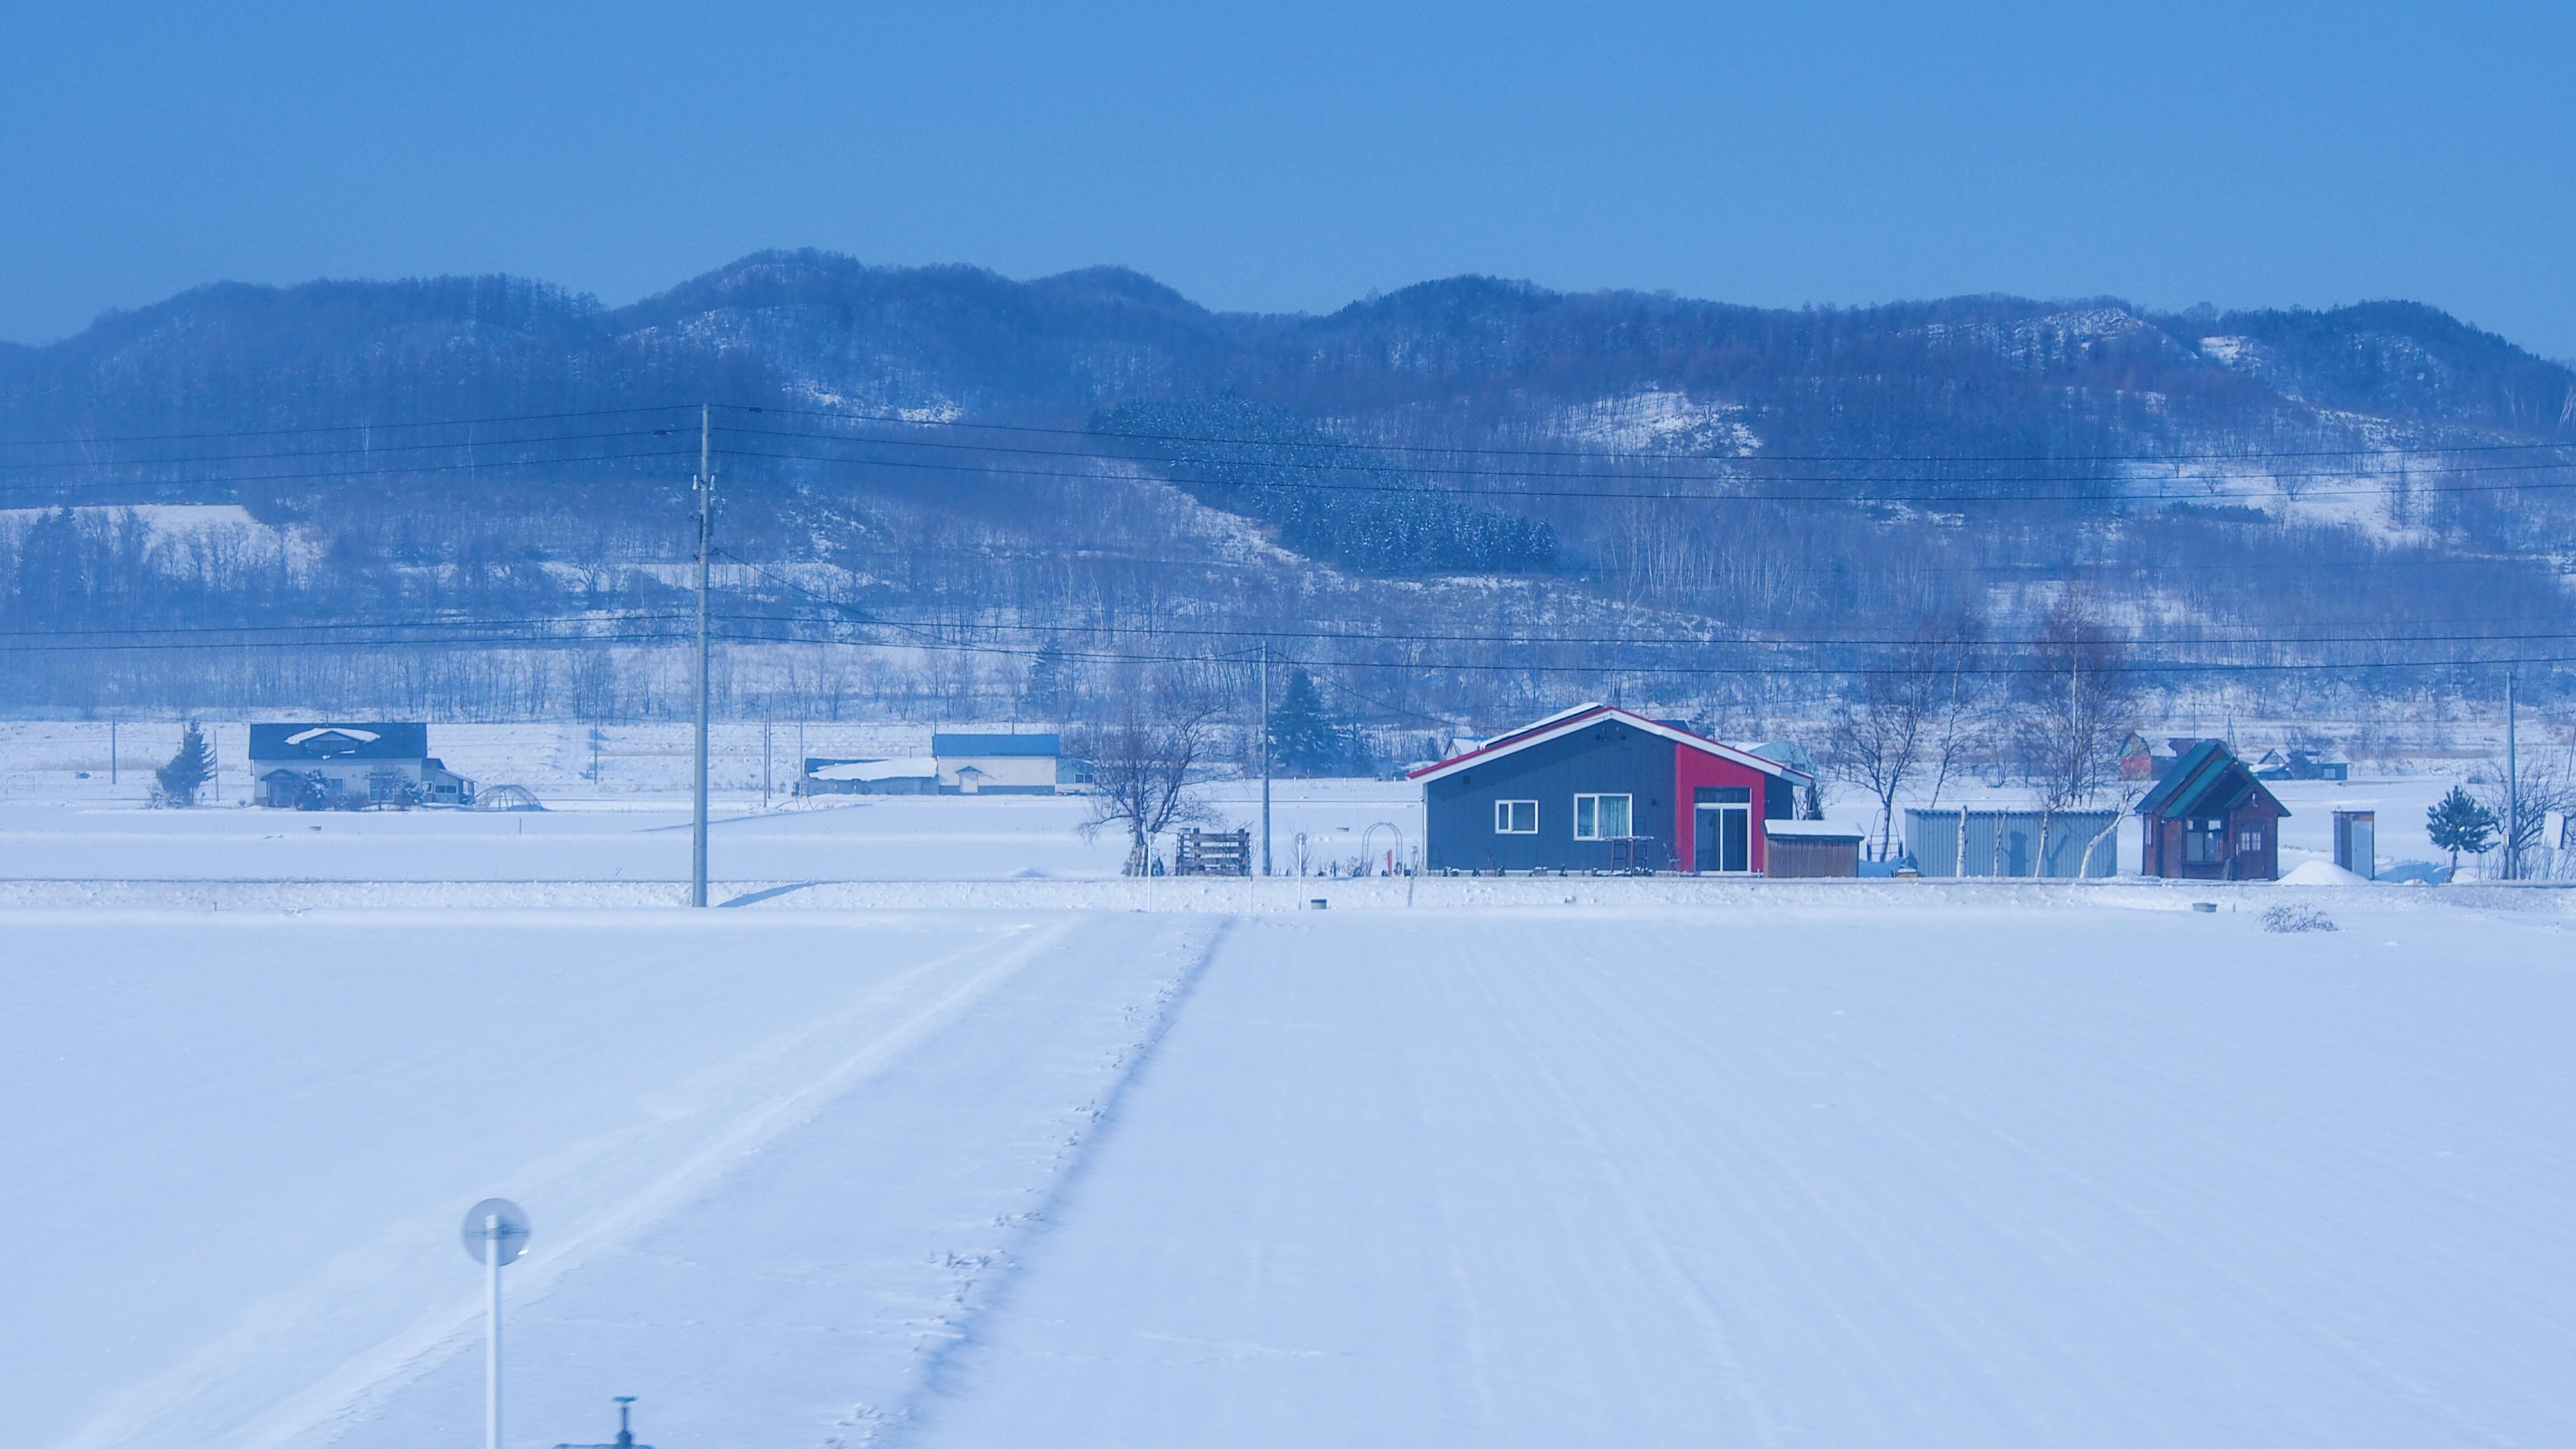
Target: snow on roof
{"type": "Point", "coordinates": [1812, 829]}
{"type": "Point", "coordinates": [903, 769]}
{"type": "Point", "coordinates": [345, 731]}
{"type": "Point", "coordinates": [1567, 721]}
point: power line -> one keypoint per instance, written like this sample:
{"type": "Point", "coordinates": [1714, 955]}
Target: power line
{"type": "Point", "coordinates": [365, 450]}
{"type": "Point", "coordinates": [897, 419]}
{"type": "Point", "coordinates": [859, 617]}
{"type": "Point", "coordinates": [1413, 470]}
{"type": "Point", "coordinates": [342, 427]}
{"type": "Point", "coordinates": [2113, 495]}
{"type": "Point", "coordinates": [336, 473]}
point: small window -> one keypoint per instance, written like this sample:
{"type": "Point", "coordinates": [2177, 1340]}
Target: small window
{"type": "Point", "coordinates": [1601, 817]}
{"type": "Point", "coordinates": [1516, 817]}
{"type": "Point", "coordinates": [2249, 842]}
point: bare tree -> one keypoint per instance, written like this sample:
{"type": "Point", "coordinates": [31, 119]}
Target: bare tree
{"type": "Point", "coordinates": [1877, 741]}
{"type": "Point", "coordinates": [1960, 727]}
{"type": "Point", "coordinates": [2545, 786]}
{"type": "Point", "coordinates": [1144, 757]}
{"type": "Point", "coordinates": [2074, 707]}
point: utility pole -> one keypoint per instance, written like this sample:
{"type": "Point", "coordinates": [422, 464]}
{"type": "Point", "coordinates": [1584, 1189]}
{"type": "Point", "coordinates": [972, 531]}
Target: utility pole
{"type": "Point", "coordinates": [1265, 757]}
{"type": "Point", "coordinates": [111, 749]}
{"type": "Point", "coordinates": [706, 488]}
{"type": "Point", "coordinates": [2512, 791]}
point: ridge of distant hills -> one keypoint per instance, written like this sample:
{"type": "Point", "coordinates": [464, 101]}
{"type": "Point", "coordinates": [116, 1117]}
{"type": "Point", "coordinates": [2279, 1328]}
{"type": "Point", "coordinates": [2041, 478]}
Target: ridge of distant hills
{"type": "Point", "coordinates": [1640, 461]}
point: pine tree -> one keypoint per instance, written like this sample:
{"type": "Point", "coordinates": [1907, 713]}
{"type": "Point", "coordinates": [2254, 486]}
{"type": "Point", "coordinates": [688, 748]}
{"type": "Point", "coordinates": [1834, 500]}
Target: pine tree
{"type": "Point", "coordinates": [1043, 695]}
{"type": "Point", "coordinates": [188, 770]}
{"type": "Point", "coordinates": [2460, 823]}
{"type": "Point", "coordinates": [1303, 735]}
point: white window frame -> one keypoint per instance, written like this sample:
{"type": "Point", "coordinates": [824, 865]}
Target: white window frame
{"type": "Point", "coordinates": [1503, 817]}
{"type": "Point", "coordinates": [1581, 832]}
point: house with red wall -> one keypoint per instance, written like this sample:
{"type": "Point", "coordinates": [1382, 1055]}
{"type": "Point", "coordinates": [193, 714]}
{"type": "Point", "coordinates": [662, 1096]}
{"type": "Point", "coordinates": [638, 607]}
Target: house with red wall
{"type": "Point", "coordinates": [1599, 788]}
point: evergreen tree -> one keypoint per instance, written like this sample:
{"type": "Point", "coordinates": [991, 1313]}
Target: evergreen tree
{"type": "Point", "coordinates": [2460, 823]}
{"type": "Point", "coordinates": [1043, 695]}
{"type": "Point", "coordinates": [188, 770]}
{"type": "Point", "coordinates": [1303, 735]}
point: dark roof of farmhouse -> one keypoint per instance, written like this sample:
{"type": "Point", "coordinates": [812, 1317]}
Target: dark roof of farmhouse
{"type": "Point", "coordinates": [372, 740]}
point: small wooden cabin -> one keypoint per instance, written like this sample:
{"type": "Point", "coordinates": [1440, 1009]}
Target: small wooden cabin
{"type": "Point", "coordinates": [2209, 818]}
{"type": "Point", "coordinates": [1811, 849]}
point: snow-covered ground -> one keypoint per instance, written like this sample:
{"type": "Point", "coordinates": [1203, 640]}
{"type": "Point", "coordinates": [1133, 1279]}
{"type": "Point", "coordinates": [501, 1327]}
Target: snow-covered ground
{"type": "Point", "coordinates": [620, 816]}
{"type": "Point", "coordinates": [1791, 1171]}
{"type": "Point", "coordinates": [947, 1135]}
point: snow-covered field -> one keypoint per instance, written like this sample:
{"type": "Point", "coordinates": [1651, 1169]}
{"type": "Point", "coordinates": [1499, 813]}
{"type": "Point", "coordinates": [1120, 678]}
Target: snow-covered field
{"type": "Point", "coordinates": [63, 818]}
{"type": "Point", "coordinates": [945, 1135]}
{"type": "Point", "coordinates": [1871, 1174]}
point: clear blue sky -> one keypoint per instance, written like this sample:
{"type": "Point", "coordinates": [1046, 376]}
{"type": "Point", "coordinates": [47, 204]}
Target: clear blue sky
{"type": "Point", "coordinates": [1298, 156]}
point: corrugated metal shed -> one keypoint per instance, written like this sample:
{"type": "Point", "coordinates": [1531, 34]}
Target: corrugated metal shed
{"type": "Point", "coordinates": [2004, 843]}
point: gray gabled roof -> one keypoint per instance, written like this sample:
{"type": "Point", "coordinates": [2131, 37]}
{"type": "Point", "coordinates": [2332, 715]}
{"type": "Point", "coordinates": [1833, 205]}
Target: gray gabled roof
{"type": "Point", "coordinates": [2208, 780]}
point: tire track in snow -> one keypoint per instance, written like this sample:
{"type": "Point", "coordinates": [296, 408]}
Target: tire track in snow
{"type": "Point", "coordinates": [363, 1384]}
{"type": "Point", "coordinates": [986, 1276]}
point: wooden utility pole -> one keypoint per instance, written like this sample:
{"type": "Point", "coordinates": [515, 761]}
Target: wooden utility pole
{"type": "Point", "coordinates": [1265, 757]}
{"type": "Point", "coordinates": [2512, 791]}
{"type": "Point", "coordinates": [705, 483]}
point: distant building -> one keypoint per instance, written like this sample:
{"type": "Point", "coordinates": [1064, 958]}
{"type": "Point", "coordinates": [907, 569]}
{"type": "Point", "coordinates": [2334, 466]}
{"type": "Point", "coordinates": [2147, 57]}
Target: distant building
{"type": "Point", "coordinates": [2301, 764]}
{"type": "Point", "coordinates": [1598, 788]}
{"type": "Point", "coordinates": [2142, 760]}
{"type": "Point", "coordinates": [2211, 819]}
{"type": "Point", "coordinates": [350, 766]}
{"type": "Point", "coordinates": [1001, 764]}
{"type": "Point", "coordinates": [915, 776]}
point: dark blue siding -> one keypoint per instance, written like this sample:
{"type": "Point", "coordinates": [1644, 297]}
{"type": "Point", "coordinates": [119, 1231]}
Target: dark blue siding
{"type": "Point", "coordinates": [1607, 758]}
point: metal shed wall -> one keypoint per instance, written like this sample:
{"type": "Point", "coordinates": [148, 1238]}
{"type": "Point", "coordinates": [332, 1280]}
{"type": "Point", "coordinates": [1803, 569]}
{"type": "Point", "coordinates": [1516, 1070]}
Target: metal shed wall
{"type": "Point", "coordinates": [2001, 842]}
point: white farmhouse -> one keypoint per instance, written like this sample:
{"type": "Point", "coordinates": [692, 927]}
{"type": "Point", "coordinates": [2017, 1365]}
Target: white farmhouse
{"type": "Point", "coordinates": [1011, 764]}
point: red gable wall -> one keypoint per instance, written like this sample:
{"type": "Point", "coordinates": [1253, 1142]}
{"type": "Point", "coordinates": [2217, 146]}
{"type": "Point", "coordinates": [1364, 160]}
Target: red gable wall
{"type": "Point", "coordinates": [1695, 768]}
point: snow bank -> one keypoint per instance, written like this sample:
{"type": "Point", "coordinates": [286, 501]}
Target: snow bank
{"type": "Point", "coordinates": [2321, 873]}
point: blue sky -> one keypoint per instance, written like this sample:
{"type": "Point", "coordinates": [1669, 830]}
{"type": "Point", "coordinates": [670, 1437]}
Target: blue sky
{"type": "Point", "coordinates": [1297, 157]}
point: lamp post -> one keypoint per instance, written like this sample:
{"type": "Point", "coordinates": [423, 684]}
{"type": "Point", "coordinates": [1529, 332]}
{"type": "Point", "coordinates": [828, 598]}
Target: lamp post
{"type": "Point", "coordinates": [495, 1234]}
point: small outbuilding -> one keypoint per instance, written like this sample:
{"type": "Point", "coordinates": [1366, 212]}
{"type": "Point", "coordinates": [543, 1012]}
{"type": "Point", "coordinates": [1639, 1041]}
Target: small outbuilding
{"type": "Point", "coordinates": [2209, 818]}
{"type": "Point", "coordinates": [1598, 788]}
{"type": "Point", "coordinates": [1811, 849]}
